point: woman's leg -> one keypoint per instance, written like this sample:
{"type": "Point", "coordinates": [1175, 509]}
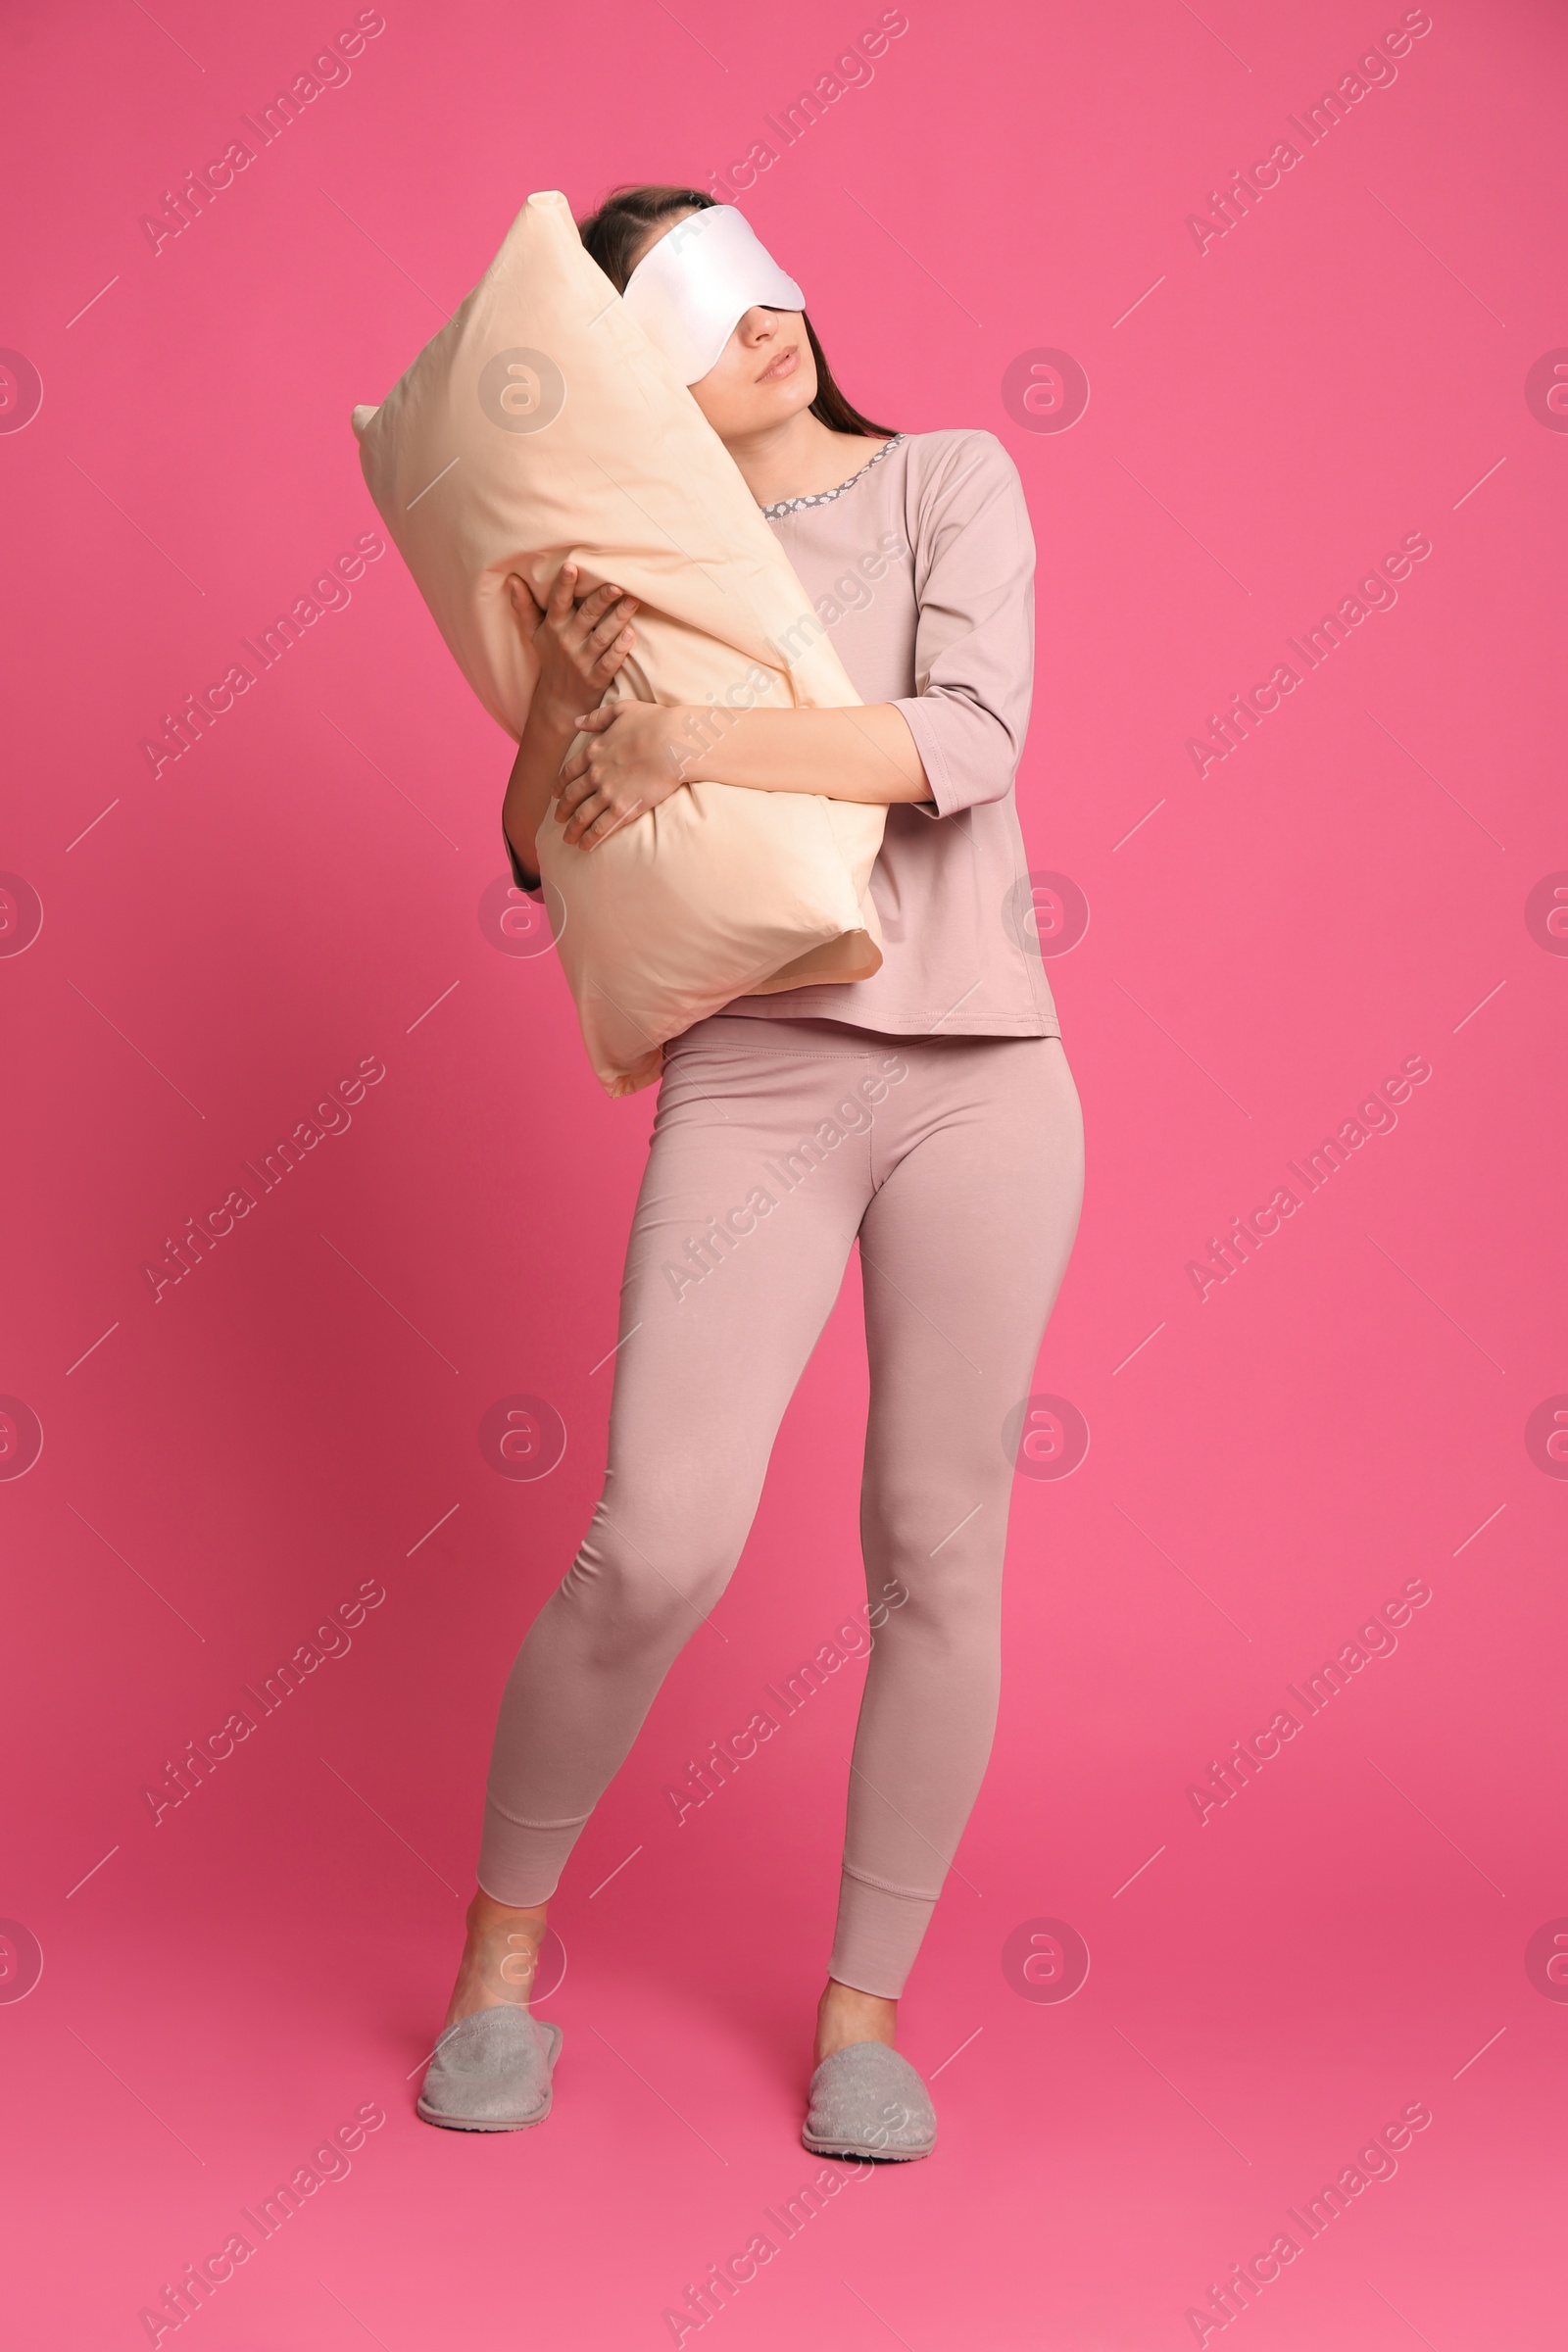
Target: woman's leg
{"type": "Point", "coordinates": [962, 1250]}
{"type": "Point", "coordinates": [742, 1227]}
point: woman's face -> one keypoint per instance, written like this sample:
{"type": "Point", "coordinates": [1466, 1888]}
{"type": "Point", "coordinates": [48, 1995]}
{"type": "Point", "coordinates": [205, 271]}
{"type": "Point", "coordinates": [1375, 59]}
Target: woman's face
{"type": "Point", "coordinates": [765, 371]}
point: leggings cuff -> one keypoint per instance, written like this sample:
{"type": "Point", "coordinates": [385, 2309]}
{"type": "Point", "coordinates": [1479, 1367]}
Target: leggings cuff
{"type": "Point", "coordinates": [521, 1862]}
{"type": "Point", "coordinates": [910, 1894]}
{"type": "Point", "coordinates": [880, 1928]}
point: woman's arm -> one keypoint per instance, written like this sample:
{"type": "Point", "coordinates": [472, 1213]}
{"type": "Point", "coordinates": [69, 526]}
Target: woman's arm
{"type": "Point", "coordinates": [952, 745]}
{"type": "Point", "coordinates": [638, 752]}
{"type": "Point", "coordinates": [579, 647]}
{"type": "Point", "coordinates": [535, 773]}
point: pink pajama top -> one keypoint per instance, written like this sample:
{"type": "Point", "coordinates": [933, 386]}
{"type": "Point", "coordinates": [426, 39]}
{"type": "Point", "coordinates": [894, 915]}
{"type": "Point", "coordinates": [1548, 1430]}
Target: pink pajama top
{"type": "Point", "coordinates": [921, 566]}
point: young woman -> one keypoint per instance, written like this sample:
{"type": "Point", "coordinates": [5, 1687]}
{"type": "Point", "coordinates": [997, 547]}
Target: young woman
{"type": "Point", "coordinates": [926, 1112]}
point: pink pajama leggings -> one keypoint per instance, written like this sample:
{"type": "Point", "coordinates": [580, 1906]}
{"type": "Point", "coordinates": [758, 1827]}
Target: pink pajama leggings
{"type": "Point", "coordinates": [957, 1163]}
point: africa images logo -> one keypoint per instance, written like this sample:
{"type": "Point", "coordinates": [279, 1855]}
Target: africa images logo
{"type": "Point", "coordinates": [20, 391]}
{"type": "Point", "coordinates": [1046, 391]}
{"type": "Point", "coordinates": [1044, 1960]}
{"type": "Point", "coordinates": [1045, 1437]}
{"type": "Point", "coordinates": [21, 1960]}
{"type": "Point", "coordinates": [523, 391]}
{"type": "Point", "coordinates": [21, 1438]}
{"type": "Point", "coordinates": [21, 915]}
{"type": "Point", "coordinates": [522, 1436]}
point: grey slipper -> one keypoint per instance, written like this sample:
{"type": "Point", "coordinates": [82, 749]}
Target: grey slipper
{"type": "Point", "coordinates": [491, 2072]}
{"type": "Point", "coordinates": [868, 2101]}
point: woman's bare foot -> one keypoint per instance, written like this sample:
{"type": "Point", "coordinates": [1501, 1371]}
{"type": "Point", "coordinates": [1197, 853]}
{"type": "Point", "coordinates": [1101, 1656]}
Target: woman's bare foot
{"type": "Point", "coordinates": [844, 2014]}
{"type": "Point", "coordinates": [500, 1959]}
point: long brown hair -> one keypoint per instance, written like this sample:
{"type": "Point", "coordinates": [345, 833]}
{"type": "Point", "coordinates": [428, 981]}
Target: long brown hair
{"type": "Point", "coordinates": [613, 234]}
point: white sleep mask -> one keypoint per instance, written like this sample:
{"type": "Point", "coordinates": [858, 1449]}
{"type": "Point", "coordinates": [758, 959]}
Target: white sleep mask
{"type": "Point", "coordinates": [690, 290]}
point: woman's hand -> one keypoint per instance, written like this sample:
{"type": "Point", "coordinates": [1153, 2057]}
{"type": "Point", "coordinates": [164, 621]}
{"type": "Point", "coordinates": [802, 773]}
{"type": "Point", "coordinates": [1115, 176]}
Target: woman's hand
{"type": "Point", "coordinates": [635, 756]}
{"type": "Point", "coordinates": [580, 646]}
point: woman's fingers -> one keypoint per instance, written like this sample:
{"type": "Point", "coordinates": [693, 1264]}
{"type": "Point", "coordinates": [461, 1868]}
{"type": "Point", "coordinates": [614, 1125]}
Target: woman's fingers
{"type": "Point", "coordinates": [560, 593]}
{"type": "Point", "coordinates": [586, 809]}
{"type": "Point", "coordinates": [606, 823]}
{"type": "Point", "coordinates": [586, 722]}
{"type": "Point", "coordinates": [617, 773]}
{"type": "Point", "coordinates": [613, 654]}
{"type": "Point", "coordinates": [524, 604]}
{"type": "Point", "coordinates": [592, 609]}
{"type": "Point", "coordinates": [610, 622]}
{"type": "Point", "coordinates": [590, 811]}
{"type": "Point", "coordinates": [593, 833]}
{"type": "Point", "coordinates": [600, 617]}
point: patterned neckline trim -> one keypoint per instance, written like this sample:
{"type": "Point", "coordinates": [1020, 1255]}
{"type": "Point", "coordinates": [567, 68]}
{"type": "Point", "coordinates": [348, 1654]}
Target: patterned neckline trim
{"type": "Point", "coordinates": [822, 498]}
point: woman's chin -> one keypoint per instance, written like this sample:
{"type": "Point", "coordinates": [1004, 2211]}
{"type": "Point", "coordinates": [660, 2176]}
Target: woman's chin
{"type": "Point", "coordinates": [785, 397]}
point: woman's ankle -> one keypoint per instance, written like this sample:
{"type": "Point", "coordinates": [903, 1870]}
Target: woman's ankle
{"type": "Point", "coordinates": [846, 2015]}
{"type": "Point", "coordinates": [500, 1957]}
{"type": "Point", "coordinates": [487, 1917]}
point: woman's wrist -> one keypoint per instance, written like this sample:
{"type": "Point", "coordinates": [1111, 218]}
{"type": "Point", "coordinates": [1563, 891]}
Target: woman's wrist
{"type": "Point", "coordinates": [550, 725]}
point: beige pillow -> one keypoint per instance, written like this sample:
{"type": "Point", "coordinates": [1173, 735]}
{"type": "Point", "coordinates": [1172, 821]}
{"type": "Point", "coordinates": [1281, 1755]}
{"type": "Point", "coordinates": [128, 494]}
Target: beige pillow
{"type": "Point", "coordinates": [541, 424]}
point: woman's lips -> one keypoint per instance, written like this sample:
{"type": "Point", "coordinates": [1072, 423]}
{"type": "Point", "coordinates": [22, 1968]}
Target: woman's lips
{"type": "Point", "coordinates": [785, 365]}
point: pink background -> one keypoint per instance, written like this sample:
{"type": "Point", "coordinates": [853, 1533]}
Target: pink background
{"type": "Point", "coordinates": [1267, 419]}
